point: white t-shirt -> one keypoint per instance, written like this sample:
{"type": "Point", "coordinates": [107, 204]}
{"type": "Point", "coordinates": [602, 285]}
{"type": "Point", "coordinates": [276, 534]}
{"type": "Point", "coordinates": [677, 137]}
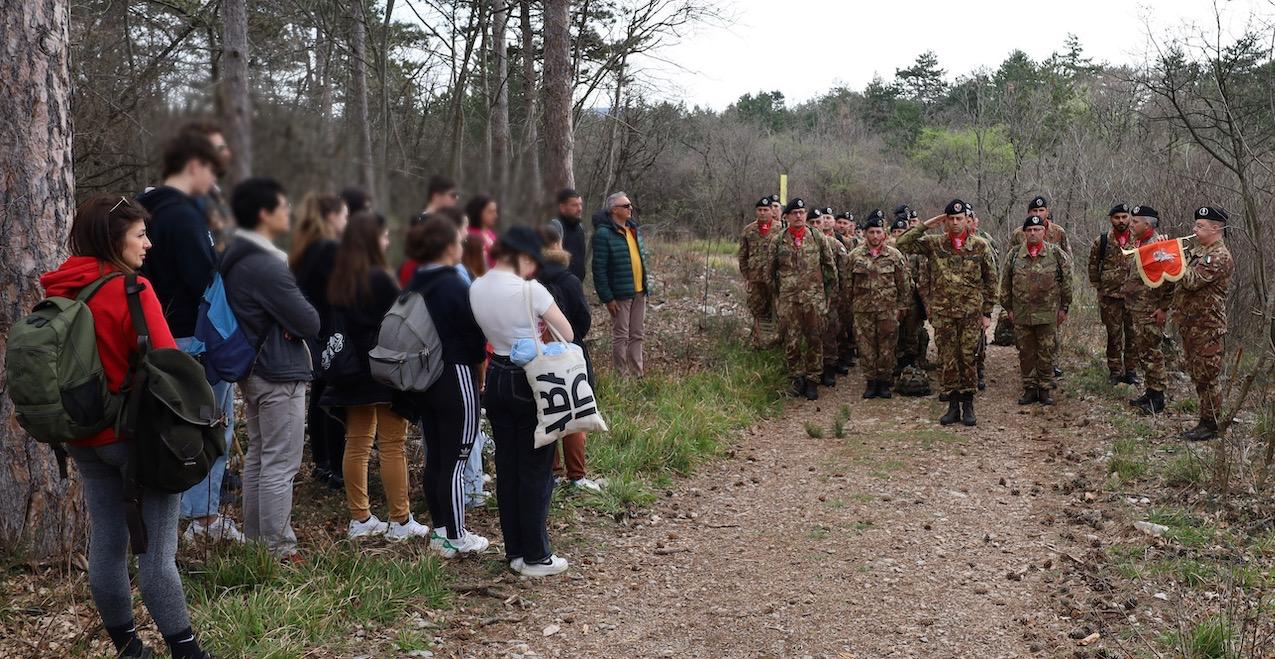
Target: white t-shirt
{"type": "Point", "coordinates": [501, 308]}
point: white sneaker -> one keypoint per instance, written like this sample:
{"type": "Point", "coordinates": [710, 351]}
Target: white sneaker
{"type": "Point", "coordinates": [409, 529]}
{"type": "Point", "coordinates": [552, 565]}
{"type": "Point", "coordinates": [221, 528]}
{"type": "Point", "coordinates": [587, 485]}
{"type": "Point", "coordinates": [470, 543]}
{"type": "Point", "coordinates": [437, 537]}
{"type": "Point", "coordinates": [517, 565]}
{"type": "Point", "coordinates": [372, 526]}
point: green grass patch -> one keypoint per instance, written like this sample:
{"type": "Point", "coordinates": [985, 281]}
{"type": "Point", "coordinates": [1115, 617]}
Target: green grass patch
{"type": "Point", "coordinates": [1209, 639]}
{"type": "Point", "coordinates": [1184, 528]}
{"type": "Point", "coordinates": [813, 430]}
{"type": "Point", "coordinates": [1126, 559]}
{"type": "Point", "coordinates": [1185, 471]}
{"type": "Point", "coordinates": [1129, 460]}
{"type": "Point", "coordinates": [710, 246]}
{"type": "Point", "coordinates": [819, 532]}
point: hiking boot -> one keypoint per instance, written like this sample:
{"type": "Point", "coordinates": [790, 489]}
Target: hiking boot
{"type": "Point", "coordinates": [1130, 377]}
{"type": "Point", "coordinates": [870, 389]}
{"type": "Point", "coordinates": [1140, 400]}
{"type": "Point", "coordinates": [1030, 395]}
{"type": "Point", "coordinates": [883, 389]}
{"type": "Point", "coordinates": [798, 386]}
{"type": "Point", "coordinates": [812, 390]}
{"type": "Point", "coordinates": [953, 409]}
{"type": "Point", "coordinates": [1046, 397]}
{"type": "Point", "coordinates": [1203, 431]}
{"type": "Point", "coordinates": [967, 410]}
{"type": "Point", "coordinates": [829, 378]}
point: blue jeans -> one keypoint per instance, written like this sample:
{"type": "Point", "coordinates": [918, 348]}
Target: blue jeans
{"type": "Point", "coordinates": [472, 479]}
{"type": "Point", "coordinates": [204, 499]}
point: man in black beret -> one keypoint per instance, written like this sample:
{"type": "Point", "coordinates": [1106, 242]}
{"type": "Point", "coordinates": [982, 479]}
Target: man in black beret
{"type": "Point", "coordinates": [1108, 271]}
{"type": "Point", "coordinates": [1036, 290]}
{"type": "Point", "coordinates": [1148, 309]}
{"type": "Point", "coordinates": [795, 256]}
{"type": "Point", "coordinates": [1199, 302]}
{"type": "Point", "coordinates": [752, 252]}
{"type": "Point", "coordinates": [914, 339]}
{"type": "Point", "coordinates": [879, 289]}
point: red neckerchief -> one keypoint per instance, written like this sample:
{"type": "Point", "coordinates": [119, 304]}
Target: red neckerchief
{"type": "Point", "coordinates": [957, 241]}
{"type": "Point", "coordinates": [1143, 240]}
{"type": "Point", "coordinates": [798, 234]}
{"type": "Point", "coordinates": [874, 251]}
{"type": "Point", "coordinates": [763, 229]}
{"type": "Point", "coordinates": [1035, 250]}
{"type": "Point", "coordinates": [1123, 237]}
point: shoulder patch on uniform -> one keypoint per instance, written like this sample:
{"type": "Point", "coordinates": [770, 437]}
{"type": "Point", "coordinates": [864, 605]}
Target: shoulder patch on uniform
{"type": "Point", "coordinates": [1208, 259]}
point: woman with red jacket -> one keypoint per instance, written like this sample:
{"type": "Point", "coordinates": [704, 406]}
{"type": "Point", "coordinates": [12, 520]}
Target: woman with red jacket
{"type": "Point", "coordinates": [108, 236]}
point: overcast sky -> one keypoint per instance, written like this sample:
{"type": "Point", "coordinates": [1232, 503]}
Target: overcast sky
{"type": "Point", "coordinates": [805, 47]}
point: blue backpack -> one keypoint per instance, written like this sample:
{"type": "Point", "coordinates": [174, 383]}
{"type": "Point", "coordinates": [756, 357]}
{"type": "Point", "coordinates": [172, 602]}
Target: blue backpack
{"type": "Point", "coordinates": [228, 355]}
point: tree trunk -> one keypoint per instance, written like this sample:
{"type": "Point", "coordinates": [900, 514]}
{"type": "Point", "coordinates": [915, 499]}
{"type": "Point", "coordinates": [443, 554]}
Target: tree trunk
{"type": "Point", "coordinates": [386, 130]}
{"type": "Point", "coordinates": [613, 153]}
{"type": "Point", "coordinates": [237, 104]}
{"type": "Point", "coordinates": [41, 515]}
{"type": "Point", "coordinates": [559, 138]}
{"type": "Point", "coordinates": [323, 102]}
{"type": "Point", "coordinates": [461, 83]}
{"type": "Point", "coordinates": [529, 172]}
{"type": "Point", "coordinates": [358, 110]}
{"type": "Point", "coordinates": [484, 66]}
{"type": "Point", "coordinates": [500, 136]}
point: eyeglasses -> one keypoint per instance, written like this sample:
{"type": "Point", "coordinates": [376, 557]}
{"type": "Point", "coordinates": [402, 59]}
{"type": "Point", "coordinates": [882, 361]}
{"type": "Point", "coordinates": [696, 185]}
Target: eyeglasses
{"type": "Point", "coordinates": [629, 205]}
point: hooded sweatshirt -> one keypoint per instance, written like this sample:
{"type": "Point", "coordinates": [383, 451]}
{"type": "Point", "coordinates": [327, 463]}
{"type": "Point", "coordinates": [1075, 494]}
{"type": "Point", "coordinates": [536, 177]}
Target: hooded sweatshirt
{"type": "Point", "coordinates": [573, 240]}
{"type": "Point", "coordinates": [112, 323]}
{"type": "Point", "coordinates": [181, 261]}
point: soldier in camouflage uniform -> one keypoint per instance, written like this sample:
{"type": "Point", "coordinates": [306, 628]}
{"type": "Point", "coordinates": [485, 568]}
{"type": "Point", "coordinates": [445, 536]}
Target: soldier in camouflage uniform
{"type": "Point", "coordinates": [1054, 233]}
{"type": "Point", "coordinates": [880, 292]}
{"type": "Point", "coordinates": [1036, 291]}
{"type": "Point", "coordinates": [996, 257]}
{"type": "Point", "coordinates": [914, 340]}
{"type": "Point", "coordinates": [843, 232]}
{"type": "Point", "coordinates": [834, 322]}
{"type": "Point", "coordinates": [801, 270]}
{"type": "Point", "coordinates": [1108, 271]}
{"type": "Point", "coordinates": [1148, 309]}
{"type": "Point", "coordinates": [752, 252]}
{"type": "Point", "coordinates": [960, 303]}
{"type": "Point", "coordinates": [1200, 296]}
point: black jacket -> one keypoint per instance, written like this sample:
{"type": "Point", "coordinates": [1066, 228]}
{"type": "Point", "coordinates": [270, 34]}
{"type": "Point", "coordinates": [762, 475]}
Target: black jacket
{"type": "Point", "coordinates": [568, 294]}
{"type": "Point", "coordinates": [181, 261]}
{"type": "Point", "coordinates": [361, 326]}
{"type": "Point", "coordinates": [264, 295]}
{"type": "Point", "coordinates": [576, 244]}
{"type": "Point", "coordinates": [313, 272]}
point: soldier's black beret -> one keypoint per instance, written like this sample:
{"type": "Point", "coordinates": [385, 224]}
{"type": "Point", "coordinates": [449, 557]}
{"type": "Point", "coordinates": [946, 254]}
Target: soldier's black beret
{"type": "Point", "coordinates": [901, 209]}
{"type": "Point", "coordinates": [827, 210]}
{"type": "Point", "coordinates": [1144, 211]}
{"type": "Point", "coordinates": [876, 214]}
{"type": "Point", "coordinates": [1037, 202]}
{"type": "Point", "coordinates": [1118, 208]}
{"type": "Point", "coordinates": [764, 202]}
{"type": "Point", "coordinates": [845, 216]}
{"type": "Point", "coordinates": [1212, 213]}
{"type": "Point", "coordinates": [774, 199]}
{"type": "Point", "coordinates": [899, 223]}
{"type": "Point", "coordinates": [797, 203]}
{"type": "Point", "coordinates": [969, 210]}
{"type": "Point", "coordinates": [873, 223]}
{"type": "Point", "coordinates": [1032, 221]}
{"type": "Point", "coordinates": [911, 214]}
{"type": "Point", "coordinates": [815, 213]}
{"type": "Point", "coordinates": [955, 207]}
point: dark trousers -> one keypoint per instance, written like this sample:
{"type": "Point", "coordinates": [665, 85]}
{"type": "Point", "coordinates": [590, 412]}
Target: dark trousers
{"type": "Point", "coordinates": [327, 430]}
{"type": "Point", "coordinates": [524, 474]}
{"type": "Point", "coordinates": [449, 425]}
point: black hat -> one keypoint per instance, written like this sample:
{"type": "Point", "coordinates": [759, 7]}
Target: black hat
{"type": "Point", "coordinates": [876, 214]}
{"type": "Point", "coordinates": [1212, 213]}
{"type": "Point", "coordinates": [1037, 202]}
{"type": "Point", "coordinates": [523, 240]}
{"type": "Point", "coordinates": [774, 199]}
{"type": "Point", "coordinates": [827, 210]}
{"type": "Point", "coordinates": [899, 223]}
{"type": "Point", "coordinates": [815, 213]}
{"type": "Point", "coordinates": [1144, 211]}
{"type": "Point", "coordinates": [847, 215]}
{"type": "Point", "coordinates": [911, 214]}
{"type": "Point", "coordinates": [764, 202]}
{"type": "Point", "coordinates": [969, 210]}
{"type": "Point", "coordinates": [796, 203]}
{"type": "Point", "coordinates": [1032, 221]}
{"type": "Point", "coordinates": [955, 207]}
{"type": "Point", "coordinates": [873, 222]}
{"type": "Point", "coordinates": [1118, 208]}
{"type": "Point", "coordinates": [901, 208]}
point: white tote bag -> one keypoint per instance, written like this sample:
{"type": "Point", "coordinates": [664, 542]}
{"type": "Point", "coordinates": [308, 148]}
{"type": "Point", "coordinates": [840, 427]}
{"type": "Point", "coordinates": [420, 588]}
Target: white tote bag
{"type": "Point", "coordinates": [560, 388]}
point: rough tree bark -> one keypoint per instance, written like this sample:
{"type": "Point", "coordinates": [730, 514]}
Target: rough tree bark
{"type": "Point", "coordinates": [617, 104]}
{"type": "Point", "coordinates": [358, 110]}
{"type": "Point", "coordinates": [529, 171]}
{"type": "Point", "coordinates": [237, 104]}
{"type": "Point", "coordinates": [500, 136]}
{"type": "Point", "coordinates": [383, 159]}
{"type": "Point", "coordinates": [41, 516]}
{"type": "Point", "coordinates": [559, 138]}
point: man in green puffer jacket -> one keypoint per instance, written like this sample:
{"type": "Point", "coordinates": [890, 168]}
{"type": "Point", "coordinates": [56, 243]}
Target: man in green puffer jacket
{"type": "Point", "coordinates": [619, 276]}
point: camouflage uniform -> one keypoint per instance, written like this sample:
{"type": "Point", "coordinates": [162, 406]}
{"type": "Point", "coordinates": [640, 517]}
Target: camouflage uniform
{"type": "Point", "coordinates": [982, 339]}
{"type": "Point", "coordinates": [803, 278]}
{"type": "Point", "coordinates": [914, 340]}
{"type": "Point", "coordinates": [1035, 289]}
{"type": "Point", "coordinates": [835, 322]}
{"type": "Point", "coordinates": [1055, 234]}
{"type": "Point", "coordinates": [879, 289]}
{"type": "Point", "coordinates": [1108, 273]}
{"type": "Point", "coordinates": [1199, 302]}
{"type": "Point", "coordinates": [845, 315]}
{"type": "Point", "coordinates": [752, 253]}
{"type": "Point", "coordinates": [963, 288]}
{"type": "Point", "coordinates": [1148, 337]}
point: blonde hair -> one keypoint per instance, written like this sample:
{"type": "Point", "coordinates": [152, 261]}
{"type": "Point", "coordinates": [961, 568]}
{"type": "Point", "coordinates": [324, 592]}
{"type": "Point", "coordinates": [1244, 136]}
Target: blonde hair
{"type": "Point", "coordinates": [313, 223]}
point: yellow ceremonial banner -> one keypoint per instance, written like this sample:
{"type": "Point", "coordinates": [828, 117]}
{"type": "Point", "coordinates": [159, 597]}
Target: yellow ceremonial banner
{"type": "Point", "coordinates": [783, 188]}
{"type": "Point", "coordinates": [1159, 262]}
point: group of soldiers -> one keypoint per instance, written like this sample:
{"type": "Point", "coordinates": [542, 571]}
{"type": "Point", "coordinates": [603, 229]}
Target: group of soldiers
{"type": "Point", "coordinates": [840, 288]}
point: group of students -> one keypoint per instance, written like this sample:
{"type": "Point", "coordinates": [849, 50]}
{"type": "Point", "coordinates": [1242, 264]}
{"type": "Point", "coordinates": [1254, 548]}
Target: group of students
{"type": "Point", "coordinates": [313, 315]}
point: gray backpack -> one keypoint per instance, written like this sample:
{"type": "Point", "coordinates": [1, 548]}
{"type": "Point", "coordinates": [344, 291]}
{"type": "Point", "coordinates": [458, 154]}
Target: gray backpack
{"type": "Point", "coordinates": [409, 353]}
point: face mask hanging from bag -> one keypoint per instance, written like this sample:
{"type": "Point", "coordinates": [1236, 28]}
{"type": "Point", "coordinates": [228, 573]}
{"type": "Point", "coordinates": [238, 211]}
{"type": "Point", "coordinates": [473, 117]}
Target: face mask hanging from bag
{"type": "Point", "coordinates": [565, 403]}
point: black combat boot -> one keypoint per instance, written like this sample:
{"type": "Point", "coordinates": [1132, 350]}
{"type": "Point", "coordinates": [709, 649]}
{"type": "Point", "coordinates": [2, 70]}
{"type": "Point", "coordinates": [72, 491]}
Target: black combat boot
{"type": "Point", "coordinates": [1131, 377]}
{"type": "Point", "coordinates": [870, 389]}
{"type": "Point", "coordinates": [1154, 403]}
{"type": "Point", "coordinates": [1205, 430]}
{"type": "Point", "coordinates": [967, 410]}
{"type": "Point", "coordinates": [953, 409]}
{"type": "Point", "coordinates": [812, 390]}
{"type": "Point", "coordinates": [829, 378]}
{"type": "Point", "coordinates": [1114, 379]}
{"type": "Point", "coordinates": [853, 357]}
{"type": "Point", "coordinates": [798, 386]}
{"type": "Point", "coordinates": [843, 365]}
{"type": "Point", "coordinates": [1141, 400]}
{"type": "Point", "coordinates": [1030, 395]}
{"type": "Point", "coordinates": [1046, 397]}
{"type": "Point", "coordinates": [883, 389]}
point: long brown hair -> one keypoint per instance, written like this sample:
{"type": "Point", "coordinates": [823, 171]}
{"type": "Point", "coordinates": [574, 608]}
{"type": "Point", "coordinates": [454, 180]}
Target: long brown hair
{"type": "Point", "coordinates": [358, 256]}
{"type": "Point", "coordinates": [313, 223]}
{"type": "Point", "coordinates": [100, 226]}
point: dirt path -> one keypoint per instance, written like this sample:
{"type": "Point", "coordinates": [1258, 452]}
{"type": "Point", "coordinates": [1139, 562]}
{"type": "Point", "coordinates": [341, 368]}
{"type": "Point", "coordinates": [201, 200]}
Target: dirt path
{"type": "Point", "coordinates": [901, 539]}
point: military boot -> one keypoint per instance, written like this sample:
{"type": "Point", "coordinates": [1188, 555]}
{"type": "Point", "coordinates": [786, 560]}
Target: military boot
{"type": "Point", "coordinates": [853, 357]}
{"type": "Point", "coordinates": [870, 389]}
{"type": "Point", "coordinates": [843, 365]}
{"type": "Point", "coordinates": [967, 410]}
{"type": "Point", "coordinates": [1205, 430]}
{"type": "Point", "coordinates": [829, 378]}
{"type": "Point", "coordinates": [1046, 397]}
{"type": "Point", "coordinates": [982, 384]}
{"type": "Point", "coordinates": [883, 389]}
{"type": "Point", "coordinates": [1154, 403]}
{"type": "Point", "coordinates": [798, 386]}
{"type": "Point", "coordinates": [1131, 377]}
{"type": "Point", "coordinates": [1141, 400]}
{"type": "Point", "coordinates": [812, 390]}
{"type": "Point", "coordinates": [953, 409]}
{"type": "Point", "coordinates": [1030, 395]}
{"type": "Point", "coordinates": [1114, 379]}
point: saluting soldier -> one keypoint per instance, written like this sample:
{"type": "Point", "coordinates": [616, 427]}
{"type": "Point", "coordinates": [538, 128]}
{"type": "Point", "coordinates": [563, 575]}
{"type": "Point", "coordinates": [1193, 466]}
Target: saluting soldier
{"type": "Point", "coordinates": [1108, 272]}
{"type": "Point", "coordinates": [1036, 292]}
{"type": "Point", "coordinates": [1199, 300]}
{"type": "Point", "coordinates": [879, 296]}
{"type": "Point", "coordinates": [752, 252]}
{"type": "Point", "coordinates": [1148, 309]}
{"type": "Point", "coordinates": [798, 257]}
{"type": "Point", "coordinates": [962, 296]}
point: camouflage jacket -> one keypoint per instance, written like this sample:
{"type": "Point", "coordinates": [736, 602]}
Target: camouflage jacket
{"type": "Point", "coordinates": [841, 257]}
{"type": "Point", "coordinates": [961, 283]}
{"type": "Point", "coordinates": [1137, 295]}
{"type": "Point", "coordinates": [996, 252]}
{"type": "Point", "coordinates": [878, 284]}
{"type": "Point", "coordinates": [1054, 233]}
{"type": "Point", "coordinates": [1108, 272]}
{"type": "Point", "coordinates": [1200, 295]}
{"type": "Point", "coordinates": [1035, 289]}
{"type": "Point", "coordinates": [752, 251]}
{"type": "Point", "coordinates": [796, 272]}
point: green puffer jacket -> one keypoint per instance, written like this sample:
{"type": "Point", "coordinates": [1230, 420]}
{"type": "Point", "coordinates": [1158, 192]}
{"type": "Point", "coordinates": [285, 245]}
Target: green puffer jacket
{"type": "Point", "coordinates": [612, 268]}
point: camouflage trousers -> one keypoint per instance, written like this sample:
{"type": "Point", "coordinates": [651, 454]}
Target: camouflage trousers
{"type": "Point", "coordinates": [878, 335]}
{"type": "Point", "coordinates": [914, 340]}
{"type": "Point", "coordinates": [957, 341]}
{"type": "Point", "coordinates": [1119, 324]}
{"type": "Point", "coordinates": [1036, 354]}
{"type": "Point", "coordinates": [801, 330]}
{"type": "Point", "coordinates": [761, 305]}
{"type": "Point", "coordinates": [845, 337]}
{"type": "Point", "coordinates": [1203, 356]}
{"type": "Point", "coordinates": [831, 334]}
{"type": "Point", "coordinates": [1148, 345]}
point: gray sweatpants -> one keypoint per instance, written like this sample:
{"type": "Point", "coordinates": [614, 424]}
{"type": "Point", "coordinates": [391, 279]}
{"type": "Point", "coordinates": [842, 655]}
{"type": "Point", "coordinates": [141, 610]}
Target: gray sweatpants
{"type": "Point", "coordinates": [102, 470]}
{"type": "Point", "coordinates": [274, 413]}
